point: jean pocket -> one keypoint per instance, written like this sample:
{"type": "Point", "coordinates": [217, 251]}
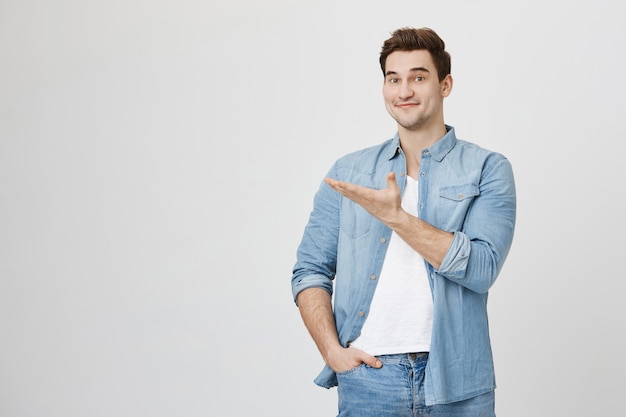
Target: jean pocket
{"type": "Point", "coordinates": [350, 371]}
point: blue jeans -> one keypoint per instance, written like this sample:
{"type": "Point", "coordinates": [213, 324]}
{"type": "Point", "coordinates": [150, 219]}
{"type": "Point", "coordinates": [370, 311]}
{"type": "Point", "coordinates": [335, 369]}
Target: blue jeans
{"type": "Point", "coordinates": [397, 390]}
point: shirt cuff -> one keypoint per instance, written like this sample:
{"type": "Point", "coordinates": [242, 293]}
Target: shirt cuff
{"type": "Point", "coordinates": [455, 261]}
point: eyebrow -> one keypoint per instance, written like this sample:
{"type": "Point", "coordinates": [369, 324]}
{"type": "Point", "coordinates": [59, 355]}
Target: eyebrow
{"type": "Point", "coordinates": [417, 69]}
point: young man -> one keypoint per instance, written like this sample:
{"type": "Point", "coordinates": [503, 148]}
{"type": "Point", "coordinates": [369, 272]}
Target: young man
{"type": "Point", "coordinates": [412, 233]}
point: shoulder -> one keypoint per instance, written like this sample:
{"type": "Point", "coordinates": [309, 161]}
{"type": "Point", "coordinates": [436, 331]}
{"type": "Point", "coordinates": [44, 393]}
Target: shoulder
{"type": "Point", "coordinates": [369, 157]}
{"type": "Point", "coordinates": [473, 152]}
{"type": "Point", "coordinates": [474, 148]}
{"type": "Point", "coordinates": [485, 165]}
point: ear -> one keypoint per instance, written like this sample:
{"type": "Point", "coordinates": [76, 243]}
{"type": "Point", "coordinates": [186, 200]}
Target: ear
{"type": "Point", "coordinates": [446, 85]}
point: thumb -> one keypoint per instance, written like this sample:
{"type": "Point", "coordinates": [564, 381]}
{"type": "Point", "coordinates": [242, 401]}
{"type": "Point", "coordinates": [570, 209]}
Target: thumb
{"type": "Point", "coordinates": [372, 361]}
{"type": "Point", "coordinates": [391, 180]}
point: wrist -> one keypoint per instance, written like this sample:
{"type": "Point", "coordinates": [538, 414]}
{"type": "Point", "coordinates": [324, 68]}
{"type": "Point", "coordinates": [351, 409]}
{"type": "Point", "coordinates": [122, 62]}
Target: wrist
{"type": "Point", "coordinates": [397, 219]}
{"type": "Point", "coordinates": [331, 353]}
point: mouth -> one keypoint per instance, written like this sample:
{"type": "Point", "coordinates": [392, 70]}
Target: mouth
{"type": "Point", "coordinates": [406, 105]}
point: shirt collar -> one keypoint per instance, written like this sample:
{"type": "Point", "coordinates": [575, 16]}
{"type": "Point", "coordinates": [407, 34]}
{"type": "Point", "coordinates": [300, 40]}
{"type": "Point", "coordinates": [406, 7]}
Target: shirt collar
{"type": "Point", "coordinates": [438, 150]}
{"type": "Point", "coordinates": [393, 148]}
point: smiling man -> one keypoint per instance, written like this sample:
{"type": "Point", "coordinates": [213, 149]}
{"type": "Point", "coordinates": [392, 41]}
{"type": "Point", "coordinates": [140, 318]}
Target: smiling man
{"type": "Point", "coordinates": [408, 236]}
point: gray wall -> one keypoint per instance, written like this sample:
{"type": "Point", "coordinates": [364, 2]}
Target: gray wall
{"type": "Point", "coordinates": [158, 161]}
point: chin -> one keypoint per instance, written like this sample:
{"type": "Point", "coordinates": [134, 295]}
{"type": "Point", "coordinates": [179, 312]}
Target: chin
{"type": "Point", "coordinates": [413, 124]}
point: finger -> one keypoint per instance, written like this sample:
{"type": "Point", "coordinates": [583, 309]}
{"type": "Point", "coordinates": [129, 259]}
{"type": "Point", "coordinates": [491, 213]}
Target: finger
{"type": "Point", "coordinates": [371, 361]}
{"type": "Point", "coordinates": [391, 180]}
{"type": "Point", "coordinates": [347, 189]}
{"type": "Point", "coordinates": [336, 185]}
{"type": "Point", "coordinates": [331, 181]}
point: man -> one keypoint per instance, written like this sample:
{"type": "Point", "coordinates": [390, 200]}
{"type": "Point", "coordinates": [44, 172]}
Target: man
{"type": "Point", "coordinates": [412, 233]}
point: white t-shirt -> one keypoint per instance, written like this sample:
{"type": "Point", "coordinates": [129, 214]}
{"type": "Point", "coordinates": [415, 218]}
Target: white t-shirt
{"type": "Point", "coordinates": [400, 317]}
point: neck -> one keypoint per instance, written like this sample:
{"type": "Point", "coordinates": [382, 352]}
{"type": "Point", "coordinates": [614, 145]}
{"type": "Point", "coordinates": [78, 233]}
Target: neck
{"type": "Point", "coordinates": [413, 142]}
{"type": "Point", "coordinates": [422, 138]}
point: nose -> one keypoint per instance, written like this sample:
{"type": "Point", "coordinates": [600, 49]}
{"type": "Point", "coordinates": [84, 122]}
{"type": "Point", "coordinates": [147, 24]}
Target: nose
{"type": "Point", "coordinates": [405, 91]}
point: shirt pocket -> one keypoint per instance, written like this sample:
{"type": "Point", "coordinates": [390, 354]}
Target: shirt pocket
{"type": "Point", "coordinates": [355, 220]}
{"type": "Point", "coordinates": [454, 204]}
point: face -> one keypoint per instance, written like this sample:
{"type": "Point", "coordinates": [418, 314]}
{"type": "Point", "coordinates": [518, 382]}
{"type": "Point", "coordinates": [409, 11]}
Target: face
{"type": "Point", "coordinates": [412, 91]}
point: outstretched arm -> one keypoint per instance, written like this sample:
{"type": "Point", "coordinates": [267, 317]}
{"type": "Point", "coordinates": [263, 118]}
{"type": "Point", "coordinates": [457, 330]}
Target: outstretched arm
{"type": "Point", "coordinates": [430, 242]}
{"type": "Point", "coordinates": [316, 309]}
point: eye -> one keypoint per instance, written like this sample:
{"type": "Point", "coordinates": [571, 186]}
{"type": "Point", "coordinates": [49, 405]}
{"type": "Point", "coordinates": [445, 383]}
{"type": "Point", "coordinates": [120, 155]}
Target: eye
{"type": "Point", "coordinates": [419, 78]}
{"type": "Point", "coordinates": [393, 80]}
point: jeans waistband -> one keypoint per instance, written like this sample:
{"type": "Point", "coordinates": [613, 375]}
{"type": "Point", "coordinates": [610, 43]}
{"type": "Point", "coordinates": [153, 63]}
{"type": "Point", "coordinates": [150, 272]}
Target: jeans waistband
{"type": "Point", "coordinates": [398, 356]}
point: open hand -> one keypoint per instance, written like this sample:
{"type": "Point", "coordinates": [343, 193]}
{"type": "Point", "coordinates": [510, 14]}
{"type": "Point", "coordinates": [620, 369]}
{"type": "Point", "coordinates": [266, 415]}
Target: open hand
{"type": "Point", "coordinates": [385, 204]}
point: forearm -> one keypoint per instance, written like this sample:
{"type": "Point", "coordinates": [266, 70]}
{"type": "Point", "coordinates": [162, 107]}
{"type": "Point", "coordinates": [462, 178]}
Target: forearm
{"type": "Point", "coordinates": [386, 205]}
{"type": "Point", "coordinates": [317, 313]}
{"type": "Point", "coordinates": [430, 242]}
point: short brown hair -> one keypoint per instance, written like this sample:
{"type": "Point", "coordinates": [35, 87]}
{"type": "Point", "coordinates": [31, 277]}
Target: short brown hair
{"type": "Point", "coordinates": [410, 39]}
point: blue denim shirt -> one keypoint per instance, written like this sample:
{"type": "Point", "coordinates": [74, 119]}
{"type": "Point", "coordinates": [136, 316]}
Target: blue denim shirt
{"type": "Point", "coordinates": [463, 189]}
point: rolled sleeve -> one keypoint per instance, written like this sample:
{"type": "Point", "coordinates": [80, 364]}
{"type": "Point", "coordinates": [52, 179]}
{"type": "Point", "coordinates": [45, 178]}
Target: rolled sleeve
{"type": "Point", "coordinates": [300, 284]}
{"type": "Point", "coordinates": [478, 251]}
{"type": "Point", "coordinates": [455, 261]}
{"type": "Point", "coordinates": [317, 253]}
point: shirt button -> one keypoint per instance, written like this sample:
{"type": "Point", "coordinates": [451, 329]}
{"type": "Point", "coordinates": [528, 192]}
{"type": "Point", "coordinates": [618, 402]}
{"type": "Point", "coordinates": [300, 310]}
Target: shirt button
{"type": "Point", "coordinates": [373, 277]}
{"type": "Point", "coordinates": [383, 240]}
{"type": "Point", "coordinates": [402, 173]}
{"type": "Point", "coordinates": [460, 196]}
{"type": "Point", "coordinates": [361, 313]}
{"type": "Point", "coordinates": [423, 173]}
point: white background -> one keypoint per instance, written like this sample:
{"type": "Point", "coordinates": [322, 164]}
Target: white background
{"type": "Point", "coordinates": [158, 161]}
